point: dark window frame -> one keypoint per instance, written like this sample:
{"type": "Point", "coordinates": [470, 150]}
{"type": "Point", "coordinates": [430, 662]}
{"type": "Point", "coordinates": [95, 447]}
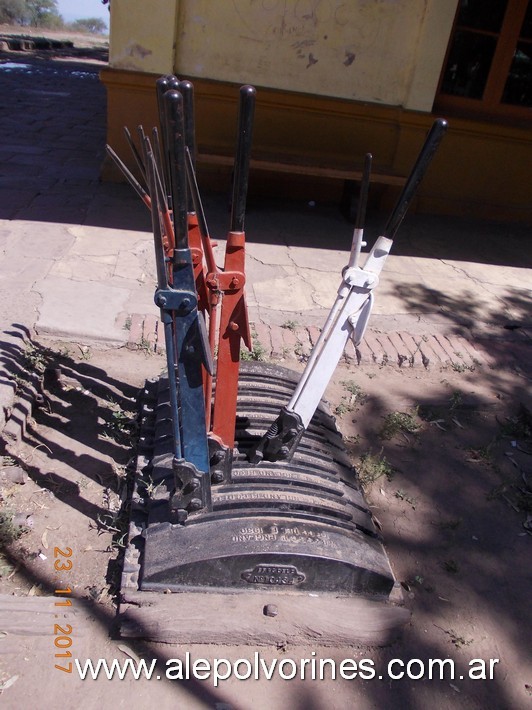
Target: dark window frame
{"type": "Point", "coordinates": [490, 104]}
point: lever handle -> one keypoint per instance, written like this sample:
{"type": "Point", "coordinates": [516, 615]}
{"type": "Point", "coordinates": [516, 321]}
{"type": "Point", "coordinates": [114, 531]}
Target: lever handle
{"type": "Point", "coordinates": [163, 84]}
{"type": "Point", "coordinates": [364, 188]}
{"type": "Point", "coordinates": [243, 153]}
{"type": "Point", "coordinates": [175, 133]}
{"type": "Point", "coordinates": [358, 232]}
{"type": "Point", "coordinates": [423, 161]}
{"type": "Point", "coordinates": [186, 89]}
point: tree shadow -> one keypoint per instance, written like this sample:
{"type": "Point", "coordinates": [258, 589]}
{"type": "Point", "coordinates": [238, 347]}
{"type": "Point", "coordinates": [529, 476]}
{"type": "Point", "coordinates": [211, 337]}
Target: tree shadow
{"type": "Point", "coordinates": [509, 316]}
{"type": "Point", "coordinates": [452, 516]}
{"type": "Point", "coordinates": [450, 536]}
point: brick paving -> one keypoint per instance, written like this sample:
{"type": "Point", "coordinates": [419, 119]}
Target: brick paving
{"type": "Point", "coordinates": [383, 349]}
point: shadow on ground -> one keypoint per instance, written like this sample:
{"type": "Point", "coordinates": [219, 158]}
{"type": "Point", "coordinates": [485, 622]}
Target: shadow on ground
{"type": "Point", "coordinates": [451, 494]}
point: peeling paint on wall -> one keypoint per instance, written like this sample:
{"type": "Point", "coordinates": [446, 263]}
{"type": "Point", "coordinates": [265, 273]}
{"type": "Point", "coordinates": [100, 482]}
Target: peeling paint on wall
{"type": "Point", "coordinates": [268, 42]}
{"type": "Point", "coordinates": [136, 50]}
{"type": "Point", "coordinates": [349, 58]}
{"type": "Point", "coordinates": [141, 40]}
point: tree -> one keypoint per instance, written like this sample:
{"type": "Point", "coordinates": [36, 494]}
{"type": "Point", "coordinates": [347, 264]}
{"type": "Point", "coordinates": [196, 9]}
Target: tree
{"type": "Point", "coordinates": [13, 12]}
{"type": "Point", "coordinates": [94, 25]}
{"type": "Point", "coordinates": [44, 13]}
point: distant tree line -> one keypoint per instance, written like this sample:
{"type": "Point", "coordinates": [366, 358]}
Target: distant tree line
{"type": "Point", "coordinates": [44, 13]}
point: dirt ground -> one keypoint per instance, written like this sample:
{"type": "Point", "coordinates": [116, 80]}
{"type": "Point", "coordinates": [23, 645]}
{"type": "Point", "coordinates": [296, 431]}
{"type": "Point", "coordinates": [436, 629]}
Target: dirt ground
{"type": "Point", "coordinates": [444, 456]}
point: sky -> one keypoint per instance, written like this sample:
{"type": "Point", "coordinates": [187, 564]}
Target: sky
{"type": "Point", "coordinates": [82, 9]}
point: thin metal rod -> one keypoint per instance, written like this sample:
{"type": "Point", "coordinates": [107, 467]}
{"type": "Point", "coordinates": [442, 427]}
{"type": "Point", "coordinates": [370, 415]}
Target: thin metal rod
{"type": "Point", "coordinates": [165, 316]}
{"type": "Point", "coordinates": [162, 274]}
{"type": "Point", "coordinates": [159, 163]}
{"type": "Point", "coordinates": [358, 232]}
{"type": "Point", "coordinates": [364, 189]}
{"type": "Point", "coordinates": [136, 154]}
{"type": "Point", "coordinates": [135, 184]}
{"type": "Point", "coordinates": [200, 214]}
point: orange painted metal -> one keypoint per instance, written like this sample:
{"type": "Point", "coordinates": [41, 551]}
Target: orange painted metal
{"type": "Point", "coordinates": [234, 329]}
{"type": "Point", "coordinates": [200, 272]}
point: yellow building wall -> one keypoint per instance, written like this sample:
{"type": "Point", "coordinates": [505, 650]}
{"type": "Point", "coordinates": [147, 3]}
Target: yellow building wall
{"type": "Point", "coordinates": [388, 52]}
{"type": "Point", "coordinates": [335, 80]}
{"type": "Point", "coordinates": [142, 35]}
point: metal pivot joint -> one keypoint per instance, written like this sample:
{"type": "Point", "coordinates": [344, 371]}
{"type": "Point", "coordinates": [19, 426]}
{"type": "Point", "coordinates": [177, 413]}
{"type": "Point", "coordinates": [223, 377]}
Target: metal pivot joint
{"type": "Point", "coordinates": [191, 494]}
{"type": "Point", "coordinates": [281, 439]}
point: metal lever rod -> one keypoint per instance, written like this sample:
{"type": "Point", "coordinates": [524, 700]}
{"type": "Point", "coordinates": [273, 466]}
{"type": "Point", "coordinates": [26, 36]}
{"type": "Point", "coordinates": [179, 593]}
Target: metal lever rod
{"type": "Point", "coordinates": [174, 125]}
{"type": "Point", "coordinates": [168, 236]}
{"type": "Point", "coordinates": [352, 305]}
{"type": "Point", "coordinates": [136, 154]}
{"type": "Point", "coordinates": [243, 152]}
{"type": "Point", "coordinates": [135, 184]}
{"type": "Point", "coordinates": [208, 280]}
{"type": "Point", "coordinates": [166, 317]}
{"type": "Point", "coordinates": [234, 323]}
{"type": "Point", "coordinates": [353, 300]}
{"type": "Point", "coordinates": [162, 85]}
{"type": "Point", "coordinates": [186, 89]}
{"type": "Point", "coordinates": [358, 232]}
{"type": "Point", "coordinates": [181, 300]}
{"type": "Point", "coordinates": [423, 161]}
{"type": "Point", "coordinates": [339, 303]}
{"type": "Point", "coordinates": [196, 242]}
{"type": "Point", "coordinates": [157, 215]}
{"type": "Point", "coordinates": [373, 266]}
{"type": "Point", "coordinates": [159, 162]}
{"type": "Point", "coordinates": [200, 214]}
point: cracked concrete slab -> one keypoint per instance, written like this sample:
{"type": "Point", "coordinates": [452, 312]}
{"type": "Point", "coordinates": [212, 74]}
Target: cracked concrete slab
{"type": "Point", "coordinates": [464, 296]}
{"type": "Point", "coordinates": [136, 264]}
{"type": "Point", "coordinates": [287, 294]}
{"type": "Point", "coordinates": [83, 269]}
{"type": "Point", "coordinates": [35, 239]}
{"type": "Point", "coordinates": [98, 241]}
{"type": "Point", "coordinates": [404, 296]}
{"type": "Point", "coordinates": [492, 274]}
{"type": "Point", "coordinates": [328, 260]}
{"type": "Point", "coordinates": [257, 271]}
{"type": "Point", "coordinates": [413, 265]}
{"type": "Point", "coordinates": [323, 285]}
{"type": "Point", "coordinates": [269, 254]}
{"type": "Point", "coordinates": [87, 310]}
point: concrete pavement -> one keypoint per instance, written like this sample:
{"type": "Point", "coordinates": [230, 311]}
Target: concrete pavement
{"type": "Point", "coordinates": [76, 258]}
